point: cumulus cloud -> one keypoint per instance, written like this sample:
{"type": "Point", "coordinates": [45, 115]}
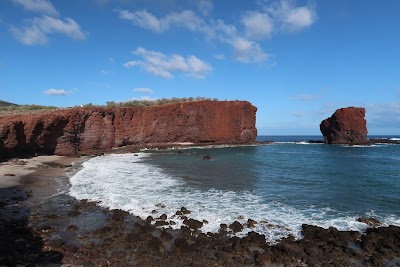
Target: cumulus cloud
{"type": "Point", "coordinates": [305, 97]}
{"type": "Point", "coordinates": [40, 6]}
{"type": "Point", "coordinates": [257, 25]}
{"type": "Point", "coordinates": [163, 65]}
{"type": "Point", "coordinates": [205, 6]}
{"type": "Point", "coordinates": [143, 90]}
{"type": "Point", "coordinates": [146, 20]}
{"type": "Point", "coordinates": [41, 27]}
{"type": "Point", "coordinates": [244, 50]}
{"type": "Point", "coordinates": [247, 51]}
{"type": "Point", "coordinates": [288, 17]}
{"type": "Point", "coordinates": [282, 15]}
{"type": "Point", "coordinates": [57, 92]}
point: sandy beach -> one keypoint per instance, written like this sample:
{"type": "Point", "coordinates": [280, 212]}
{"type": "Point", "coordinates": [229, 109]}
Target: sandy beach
{"type": "Point", "coordinates": [42, 226]}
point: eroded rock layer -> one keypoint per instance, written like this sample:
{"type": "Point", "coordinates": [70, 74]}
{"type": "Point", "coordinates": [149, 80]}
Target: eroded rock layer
{"type": "Point", "coordinates": [83, 130]}
{"type": "Point", "coordinates": [345, 126]}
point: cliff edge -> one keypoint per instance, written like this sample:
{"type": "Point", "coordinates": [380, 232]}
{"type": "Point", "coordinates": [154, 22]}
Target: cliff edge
{"type": "Point", "coordinates": [75, 131]}
{"type": "Point", "coordinates": [345, 126]}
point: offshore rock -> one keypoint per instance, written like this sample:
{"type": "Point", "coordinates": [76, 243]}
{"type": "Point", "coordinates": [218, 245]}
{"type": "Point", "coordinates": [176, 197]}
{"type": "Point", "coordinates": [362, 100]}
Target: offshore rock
{"type": "Point", "coordinates": [345, 126]}
{"type": "Point", "coordinates": [77, 131]}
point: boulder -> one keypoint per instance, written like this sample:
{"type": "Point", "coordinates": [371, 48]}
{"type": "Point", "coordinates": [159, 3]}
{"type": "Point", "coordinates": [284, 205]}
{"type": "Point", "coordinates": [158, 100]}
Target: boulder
{"type": "Point", "coordinates": [345, 126]}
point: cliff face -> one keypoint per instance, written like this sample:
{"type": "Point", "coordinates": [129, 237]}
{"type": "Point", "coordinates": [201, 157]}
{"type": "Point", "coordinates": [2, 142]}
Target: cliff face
{"type": "Point", "coordinates": [345, 126]}
{"type": "Point", "coordinates": [82, 130]}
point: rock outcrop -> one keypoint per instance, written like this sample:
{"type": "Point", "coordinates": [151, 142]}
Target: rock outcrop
{"type": "Point", "coordinates": [71, 132]}
{"type": "Point", "coordinates": [345, 126]}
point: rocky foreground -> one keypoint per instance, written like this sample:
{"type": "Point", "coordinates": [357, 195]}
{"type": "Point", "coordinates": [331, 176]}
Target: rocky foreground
{"type": "Point", "coordinates": [62, 230]}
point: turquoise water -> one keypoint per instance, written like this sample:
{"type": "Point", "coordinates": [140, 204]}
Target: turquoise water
{"type": "Point", "coordinates": [348, 179]}
{"type": "Point", "coordinates": [286, 183]}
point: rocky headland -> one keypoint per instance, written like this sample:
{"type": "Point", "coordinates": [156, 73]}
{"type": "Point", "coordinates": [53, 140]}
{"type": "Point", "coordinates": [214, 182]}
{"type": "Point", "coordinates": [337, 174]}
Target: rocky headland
{"type": "Point", "coordinates": [77, 131]}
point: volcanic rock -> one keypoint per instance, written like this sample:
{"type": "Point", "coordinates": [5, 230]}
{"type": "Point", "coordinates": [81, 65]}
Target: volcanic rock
{"type": "Point", "coordinates": [193, 224]}
{"type": "Point", "coordinates": [345, 126]}
{"type": "Point", "coordinates": [77, 131]}
{"type": "Point", "coordinates": [370, 221]}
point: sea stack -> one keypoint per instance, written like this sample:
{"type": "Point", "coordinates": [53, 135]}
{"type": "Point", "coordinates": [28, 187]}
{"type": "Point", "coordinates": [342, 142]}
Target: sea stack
{"type": "Point", "coordinates": [345, 126]}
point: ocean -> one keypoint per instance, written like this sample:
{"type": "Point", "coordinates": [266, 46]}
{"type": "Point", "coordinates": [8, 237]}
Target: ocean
{"type": "Point", "coordinates": [281, 185]}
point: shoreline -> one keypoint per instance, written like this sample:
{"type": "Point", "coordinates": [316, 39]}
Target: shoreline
{"type": "Point", "coordinates": [122, 239]}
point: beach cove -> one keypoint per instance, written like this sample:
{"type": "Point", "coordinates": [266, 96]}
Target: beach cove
{"type": "Point", "coordinates": [80, 231]}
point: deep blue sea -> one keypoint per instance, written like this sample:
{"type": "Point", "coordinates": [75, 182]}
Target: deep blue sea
{"type": "Point", "coordinates": [280, 185]}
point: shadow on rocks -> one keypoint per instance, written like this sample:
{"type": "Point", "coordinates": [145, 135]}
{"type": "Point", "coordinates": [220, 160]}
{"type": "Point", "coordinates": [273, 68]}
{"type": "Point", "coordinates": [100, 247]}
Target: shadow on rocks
{"type": "Point", "coordinates": [19, 244]}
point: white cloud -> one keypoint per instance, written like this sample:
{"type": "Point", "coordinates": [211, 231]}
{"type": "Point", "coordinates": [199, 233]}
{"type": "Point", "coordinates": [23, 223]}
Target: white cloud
{"type": "Point", "coordinates": [143, 90]}
{"type": "Point", "coordinates": [57, 92]}
{"type": "Point", "coordinates": [205, 6]}
{"type": "Point", "coordinates": [257, 25]}
{"type": "Point", "coordinates": [281, 15]}
{"type": "Point", "coordinates": [40, 27]}
{"type": "Point", "coordinates": [185, 19]}
{"type": "Point", "coordinates": [163, 66]}
{"type": "Point", "coordinates": [244, 50]}
{"type": "Point", "coordinates": [305, 97]}
{"type": "Point", "coordinates": [288, 17]}
{"type": "Point", "coordinates": [142, 19]}
{"type": "Point", "coordinates": [40, 6]}
{"type": "Point", "coordinates": [247, 51]}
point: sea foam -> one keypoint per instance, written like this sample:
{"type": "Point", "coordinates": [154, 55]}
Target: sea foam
{"type": "Point", "coordinates": [126, 182]}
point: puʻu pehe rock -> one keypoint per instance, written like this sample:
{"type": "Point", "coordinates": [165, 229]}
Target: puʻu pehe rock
{"type": "Point", "coordinates": [76, 131]}
{"type": "Point", "coordinates": [345, 126]}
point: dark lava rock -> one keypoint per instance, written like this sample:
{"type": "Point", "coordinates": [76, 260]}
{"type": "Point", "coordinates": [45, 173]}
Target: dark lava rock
{"type": "Point", "coordinates": [183, 211]}
{"type": "Point", "coordinates": [73, 213]}
{"type": "Point", "coordinates": [72, 228]}
{"type": "Point", "coordinates": [166, 236]}
{"type": "Point", "coordinates": [193, 224]}
{"type": "Point", "coordinates": [206, 157]}
{"type": "Point", "coordinates": [369, 221]}
{"type": "Point", "coordinates": [161, 223]}
{"type": "Point", "coordinates": [236, 226]}
{"type": "Point", "coordinates": [163, 217]}
{"type": "Point", "coordinates": [251, 223]}
{"type": "Point", "coordinates": [223, 226]}
{"type": "Point", "coordinates": [149, 219]}
{"type": "Point", "coordinates": [119, 215]}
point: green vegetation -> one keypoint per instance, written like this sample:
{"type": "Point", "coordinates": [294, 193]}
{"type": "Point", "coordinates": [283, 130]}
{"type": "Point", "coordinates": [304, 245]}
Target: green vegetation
{"type": "Point", "coordinates": [157, 102]}
{"type": "Point", "coordinates": [25, 108]}
{"type": "Point", "coordinates": [15, 109]}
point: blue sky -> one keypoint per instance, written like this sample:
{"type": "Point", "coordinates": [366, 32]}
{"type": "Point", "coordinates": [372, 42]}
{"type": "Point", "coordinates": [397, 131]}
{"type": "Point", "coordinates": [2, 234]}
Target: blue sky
{"type": "Point", "coordinates": [297, 61]}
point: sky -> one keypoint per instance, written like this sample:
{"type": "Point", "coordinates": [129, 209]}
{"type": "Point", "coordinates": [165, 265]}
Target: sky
{"type": "Point", "coordinates": [296, 61]}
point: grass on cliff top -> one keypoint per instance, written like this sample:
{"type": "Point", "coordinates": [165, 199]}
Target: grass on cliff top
{"type": "Point", "coordinates": [17, 109]}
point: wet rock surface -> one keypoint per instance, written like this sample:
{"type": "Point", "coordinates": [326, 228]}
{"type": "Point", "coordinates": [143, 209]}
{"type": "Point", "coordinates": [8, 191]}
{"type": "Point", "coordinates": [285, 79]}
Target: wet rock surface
{"type": "Point", "coordinates": [94, 236]}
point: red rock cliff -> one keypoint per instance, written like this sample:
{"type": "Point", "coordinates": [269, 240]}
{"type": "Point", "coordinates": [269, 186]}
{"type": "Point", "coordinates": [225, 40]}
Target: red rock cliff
{"type": "Point", "coordinates": [345, 126]}
{"type": "Point", "coordinates": [84, 130]}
